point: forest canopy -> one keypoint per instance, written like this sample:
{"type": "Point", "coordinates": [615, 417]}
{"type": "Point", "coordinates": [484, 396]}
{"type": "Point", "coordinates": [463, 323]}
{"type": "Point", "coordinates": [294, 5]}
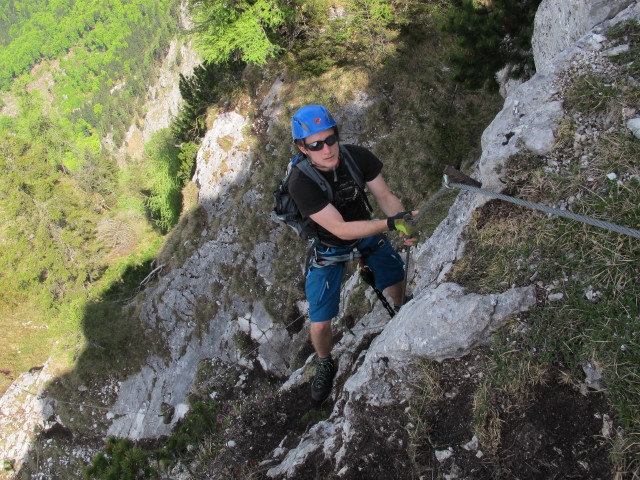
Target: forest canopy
{"type": "Point", "coordinates": [97, 34]}
{"type": "Point", "coordinates": [73, 77]}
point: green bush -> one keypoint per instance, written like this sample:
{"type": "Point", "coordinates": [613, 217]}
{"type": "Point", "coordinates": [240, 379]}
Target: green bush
{"type": "Point", "coordinates": [121, 460]}
{"type": "Point", "coordinates": [201, 421]}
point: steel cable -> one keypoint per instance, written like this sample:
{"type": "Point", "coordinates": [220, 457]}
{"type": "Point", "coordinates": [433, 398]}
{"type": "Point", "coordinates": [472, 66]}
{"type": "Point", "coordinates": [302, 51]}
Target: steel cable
{"type": "Point", "coordinates": [550, 210]}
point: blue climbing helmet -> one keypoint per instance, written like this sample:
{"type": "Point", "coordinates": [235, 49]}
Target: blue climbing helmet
{"type": "Point", "coordinates": [309, 120]}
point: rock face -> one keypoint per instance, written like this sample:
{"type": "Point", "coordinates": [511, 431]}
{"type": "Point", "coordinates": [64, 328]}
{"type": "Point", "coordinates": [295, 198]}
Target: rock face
{"type": "Point", "coordinates": [222, 162]}
{"type": "Point", "coordinates": [527, 120]}
{"type": "Point", "coordinates": [163, 98]}
{"type": "Point", "coordinates": [23, 411]}
{"type": "Point", "coordinates": [558, 24]}
{"type": "Point", "coordinates": [170, 311]}
{"type": "Point", "coordinates": [528, 117]}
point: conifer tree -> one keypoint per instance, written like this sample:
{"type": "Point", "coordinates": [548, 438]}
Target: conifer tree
{"type": "Point", "coordinates": [203, 88]}
{"type": "Point", "coordinates": [244, 29]}
{"type": "Point", "coordinates": [489, 36]}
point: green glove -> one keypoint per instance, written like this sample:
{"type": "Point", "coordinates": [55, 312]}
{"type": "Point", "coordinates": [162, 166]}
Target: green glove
{"type": "Point", "coordinates": [403, 222]}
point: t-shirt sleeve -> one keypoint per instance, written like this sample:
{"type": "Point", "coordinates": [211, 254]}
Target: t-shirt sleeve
{"type": "Point", "coordinates": [307, 194]}
{"type": "Point", "coordinates": [369, 164]}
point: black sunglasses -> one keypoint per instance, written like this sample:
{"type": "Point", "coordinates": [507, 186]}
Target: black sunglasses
{"type": "Point", "coordinates": [319, 145]}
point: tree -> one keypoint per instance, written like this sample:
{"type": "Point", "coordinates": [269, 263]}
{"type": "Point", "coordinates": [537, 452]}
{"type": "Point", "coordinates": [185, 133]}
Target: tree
{"type": "Point", "coordinates": [97, 173]}
{"type": "Point", "coordinates": [165, 199]}
{"type": "Point", "coordinates": [490, 36]}
{"type": "Point", "coordinates": [208, 83]}
{"type": "Point", "coordinates": [226, 29]}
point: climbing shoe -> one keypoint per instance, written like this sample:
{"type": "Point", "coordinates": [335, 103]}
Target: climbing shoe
{"type": "Point", "coordinates": [322, 382]}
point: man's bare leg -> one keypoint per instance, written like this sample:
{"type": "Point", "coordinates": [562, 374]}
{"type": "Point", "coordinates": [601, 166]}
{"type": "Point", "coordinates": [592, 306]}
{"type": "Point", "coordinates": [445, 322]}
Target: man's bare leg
{"type": "Point", "coordinates": [395, 292]}
{"type": "Point", "coordinates": [322, 338]}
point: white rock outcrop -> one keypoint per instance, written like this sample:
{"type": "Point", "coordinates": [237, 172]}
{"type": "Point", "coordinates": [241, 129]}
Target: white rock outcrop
{"type": "Point", "coordinates": [223, 161]}
{"type": "Point", "coordinates": [442, 322]}
{"type": "Point", "coordinates": [559, 23]}
{"type": "Point", "coordinates": [23, 411]}
{"type": "Point", "coordinates": [163, 97]}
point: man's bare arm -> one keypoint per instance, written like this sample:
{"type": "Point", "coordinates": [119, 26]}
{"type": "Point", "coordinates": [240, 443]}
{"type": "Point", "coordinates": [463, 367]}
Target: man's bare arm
{"type": "Point", "coordinates": [330, 219]}
{"type": "Point", "coordinates": [386, 200]}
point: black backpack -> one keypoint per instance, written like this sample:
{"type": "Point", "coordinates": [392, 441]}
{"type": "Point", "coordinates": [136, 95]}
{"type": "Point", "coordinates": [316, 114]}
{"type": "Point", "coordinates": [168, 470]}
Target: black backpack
{"type": "Point", "coordinates": [286, 210]}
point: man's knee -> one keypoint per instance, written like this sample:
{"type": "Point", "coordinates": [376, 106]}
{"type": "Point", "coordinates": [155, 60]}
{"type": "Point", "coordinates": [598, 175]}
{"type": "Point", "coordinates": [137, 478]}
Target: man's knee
{"type": "Point", "coordinates": [321, 328]}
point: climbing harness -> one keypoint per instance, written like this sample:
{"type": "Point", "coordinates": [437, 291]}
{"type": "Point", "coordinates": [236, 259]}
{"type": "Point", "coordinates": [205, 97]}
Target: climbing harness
{"type": "Point", "coordinates": [319, 261]}
{"type": "Point", "coordinates": [464, 182]}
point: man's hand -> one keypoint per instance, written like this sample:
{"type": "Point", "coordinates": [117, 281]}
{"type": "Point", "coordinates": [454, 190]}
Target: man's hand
{"type": "Point", "coordinates": [403, 222]}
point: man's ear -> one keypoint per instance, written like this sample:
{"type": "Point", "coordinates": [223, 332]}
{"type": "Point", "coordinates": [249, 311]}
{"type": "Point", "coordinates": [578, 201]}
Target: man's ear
{"type": "Point", "coordinates": [302, 149]}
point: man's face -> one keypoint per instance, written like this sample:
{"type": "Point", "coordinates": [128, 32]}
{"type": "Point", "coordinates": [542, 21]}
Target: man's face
{"type": "Point", "coordinates": [327, 158]}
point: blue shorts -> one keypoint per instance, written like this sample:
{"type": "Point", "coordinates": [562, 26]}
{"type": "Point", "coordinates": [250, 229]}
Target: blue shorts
{"type": "Point", "coordinates": [323, 284]}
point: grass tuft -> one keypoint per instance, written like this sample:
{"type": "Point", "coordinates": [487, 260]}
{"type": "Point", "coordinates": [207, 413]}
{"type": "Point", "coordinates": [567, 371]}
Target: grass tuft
{"type": "Point", "coordinates": [427, 391]}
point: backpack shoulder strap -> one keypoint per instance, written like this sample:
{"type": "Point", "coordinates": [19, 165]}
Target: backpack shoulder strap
{"type": "Point", "coordinates": [356, 174]}
{"type": "Point", "coordinates": [352, 166]}
{"type": "Point", "coordinates": [306, 168]}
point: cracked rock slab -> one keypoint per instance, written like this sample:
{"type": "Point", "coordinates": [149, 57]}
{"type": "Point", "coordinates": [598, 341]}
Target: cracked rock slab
{"type": "Point", "coordinates": [440, 323]}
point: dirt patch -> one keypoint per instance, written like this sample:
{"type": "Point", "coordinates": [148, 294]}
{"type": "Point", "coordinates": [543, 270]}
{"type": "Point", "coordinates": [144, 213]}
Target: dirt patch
{"type": "Point", "coordinates": [378, 451]}
{"type": "Point", "coordinates": [268, 422]}
{"type": "Point", "coordinates": [560, 436]}
{"type": "Point", "coordinates": [557, 435]}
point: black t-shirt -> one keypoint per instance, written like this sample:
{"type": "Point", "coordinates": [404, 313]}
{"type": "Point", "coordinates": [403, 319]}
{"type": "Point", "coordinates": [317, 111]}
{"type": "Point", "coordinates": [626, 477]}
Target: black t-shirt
{"type": "Point", "coordinates": [346, 196]}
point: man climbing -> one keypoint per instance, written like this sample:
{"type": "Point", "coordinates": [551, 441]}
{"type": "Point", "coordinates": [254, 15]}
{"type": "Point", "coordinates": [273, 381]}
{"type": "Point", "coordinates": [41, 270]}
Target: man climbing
{"type": "Point", "coordinates": [342, 227]}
